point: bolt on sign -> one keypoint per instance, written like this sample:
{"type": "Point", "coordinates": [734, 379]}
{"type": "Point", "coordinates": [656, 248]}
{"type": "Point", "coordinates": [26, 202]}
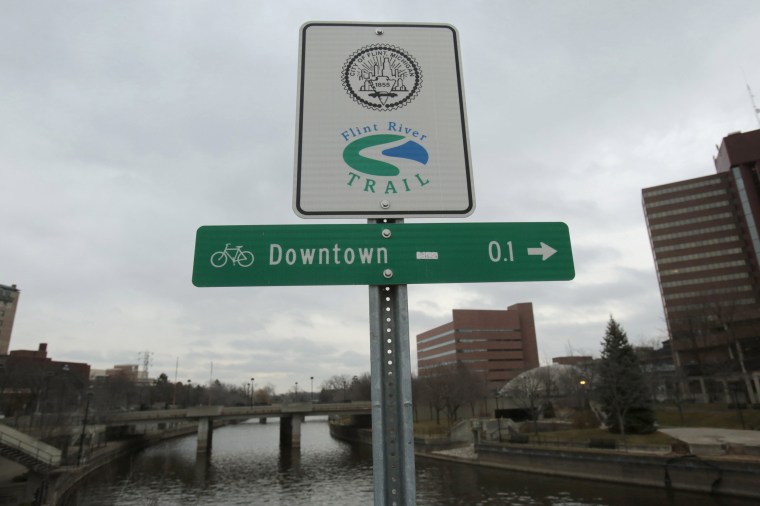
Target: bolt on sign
{"type": "Point", "coordinates": [381, 129]}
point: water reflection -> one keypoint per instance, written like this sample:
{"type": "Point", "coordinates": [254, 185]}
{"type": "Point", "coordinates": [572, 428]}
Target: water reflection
{"type": "Point", "coordinates": [457, 484]}
{"type": "Point", "coordinates": [247, 468]}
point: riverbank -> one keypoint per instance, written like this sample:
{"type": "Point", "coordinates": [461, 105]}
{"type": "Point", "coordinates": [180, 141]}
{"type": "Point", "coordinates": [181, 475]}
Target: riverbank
{"type": "Point", "coordinates": [728, 475]}
{"type": "Point", "coordinates": [719, 468]}
{"type": "Point", "coordinates": [65, 480]}
{"type": "Point", "coordinates": [735, 472]}
{"type": "Point", "coordinates": [19, 485]}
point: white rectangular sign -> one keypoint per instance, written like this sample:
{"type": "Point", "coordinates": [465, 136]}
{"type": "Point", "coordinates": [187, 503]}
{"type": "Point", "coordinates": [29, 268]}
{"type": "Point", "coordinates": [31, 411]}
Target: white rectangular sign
{"type": "Point", "coordinates": [382, 130]}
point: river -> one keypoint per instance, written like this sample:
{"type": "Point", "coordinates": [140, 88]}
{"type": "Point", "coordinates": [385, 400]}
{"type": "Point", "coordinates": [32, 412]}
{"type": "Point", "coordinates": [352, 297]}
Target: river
{"type": "Point", "coordinates": [247, 468]}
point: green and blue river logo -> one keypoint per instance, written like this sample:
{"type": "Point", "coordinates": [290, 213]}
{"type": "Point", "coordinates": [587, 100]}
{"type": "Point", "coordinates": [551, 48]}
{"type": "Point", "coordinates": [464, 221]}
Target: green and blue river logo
{"type": "Point", "coordinates": [386, 160]}
{"type": "Point", "coordinates": [410, 150]}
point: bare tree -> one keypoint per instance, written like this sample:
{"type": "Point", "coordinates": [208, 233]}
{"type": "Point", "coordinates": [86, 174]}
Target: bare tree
{"type": "Point", "coordinates": [264, 395]}
{"type": "Point", "coordinates": [531, 391]}
{"type": "Point", "coordinates": [708, 343]}
{"type": "Point", "coordinates": [430, 390]}
{"type": "Point", "coordinates": [447, 388]}
{"type": "Point", "coordinates": [338, 383]}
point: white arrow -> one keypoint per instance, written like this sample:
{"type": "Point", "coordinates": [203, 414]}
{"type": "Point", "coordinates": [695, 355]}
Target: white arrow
{"type": "Point", "coordinates": [545, 251]}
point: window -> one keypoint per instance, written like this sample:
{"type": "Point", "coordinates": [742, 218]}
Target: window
{"type": "Point", "coordinates": [686, 198]}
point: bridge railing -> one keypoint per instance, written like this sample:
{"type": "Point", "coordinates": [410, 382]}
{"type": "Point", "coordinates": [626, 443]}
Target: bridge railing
{"type": "Point", "coordinates": [41, 452]}
{"type": "Point", "coordinates": [273, 410]}
{"type": "Point", "coordinates": [270, 409]}
{"type": "Point", "coordinates": [344, 406]}
{"type": "Point", "coordinates": [160, 414]}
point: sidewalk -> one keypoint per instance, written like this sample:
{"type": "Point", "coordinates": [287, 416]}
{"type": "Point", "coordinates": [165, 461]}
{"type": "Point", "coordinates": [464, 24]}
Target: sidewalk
{"type": "Point", "coordinates": [10, 470]}
{"type": "Point", "coordinates": [711, 441]}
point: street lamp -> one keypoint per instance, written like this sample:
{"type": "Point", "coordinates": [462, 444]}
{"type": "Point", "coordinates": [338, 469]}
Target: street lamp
{"type": "Point", "coordinates": [252, 391]}
{"type": "Point", "coordinates": [84, 427]}
{"type": "Point", "coordinates": [583, 385]}
{"type": "Point", "coordinates": [296, 391]}
{"type": "Point", "coordinates": [46, 391]}
{"type": "Point", "coordinates": [311, 395]}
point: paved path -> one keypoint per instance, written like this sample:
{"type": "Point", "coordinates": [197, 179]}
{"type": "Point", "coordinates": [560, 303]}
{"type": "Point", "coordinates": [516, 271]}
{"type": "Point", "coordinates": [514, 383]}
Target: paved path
{"type": "Point", "coordinates": [709, 435]}
{"type": "Point", "coordinates": [10, 470]}
{"type": "Point", "coordinates": [710, 441]}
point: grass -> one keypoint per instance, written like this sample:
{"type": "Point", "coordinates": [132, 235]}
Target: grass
{"type": "Point", "coordinates": [708, 415]}
{"type": "Point", "coordinates": [583, 435]}
{"type": "Point", "coordinates": [694, 415]}
{"type": "Point", "coordinates": [430, 428]}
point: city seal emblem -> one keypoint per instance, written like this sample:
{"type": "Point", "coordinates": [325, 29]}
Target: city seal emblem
{"type": "Point", "coordinates": [381, 77]}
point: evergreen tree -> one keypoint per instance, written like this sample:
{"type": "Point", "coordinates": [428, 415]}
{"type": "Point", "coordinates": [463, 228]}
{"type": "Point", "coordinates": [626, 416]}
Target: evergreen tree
{"type": "Point", "coordinates": [621, 386]}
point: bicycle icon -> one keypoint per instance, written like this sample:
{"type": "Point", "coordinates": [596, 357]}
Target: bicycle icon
{"type": "Point", "coordinates": [238, 255]}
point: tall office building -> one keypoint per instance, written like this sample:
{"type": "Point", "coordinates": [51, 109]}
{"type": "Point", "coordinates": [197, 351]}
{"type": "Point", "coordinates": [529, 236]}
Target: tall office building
{"type": "Point", "coordinates": [8, 302]}
{"type": "Point", "coordinates": [706, 247]}
{"type": "Point", "coordinates": [500, 344]}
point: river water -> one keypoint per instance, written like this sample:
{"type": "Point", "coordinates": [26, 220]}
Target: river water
{"type": "Point", "coordinates": [247, 468]}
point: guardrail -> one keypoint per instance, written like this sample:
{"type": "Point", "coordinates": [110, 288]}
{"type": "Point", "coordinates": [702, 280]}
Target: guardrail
{"type": "Point", "coordinates": [238, 412]}
{"type": "Point", "coordinates": [10, 439]}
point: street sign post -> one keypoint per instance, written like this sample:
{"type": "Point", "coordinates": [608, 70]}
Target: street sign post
{"type": "Point", "coordinates": [382, 129]}
{"type": "Point", "coordinates": [382, 135]}
{"type": "Point", "coordinates": [381, 254]}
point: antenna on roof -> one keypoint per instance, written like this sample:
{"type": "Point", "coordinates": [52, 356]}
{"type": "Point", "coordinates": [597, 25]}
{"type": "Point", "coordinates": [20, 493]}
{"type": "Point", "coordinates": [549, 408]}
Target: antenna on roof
{"type": "Point", "coordinates": [146, 357]}
{"type": "Point", "coordinates": [752, 100]}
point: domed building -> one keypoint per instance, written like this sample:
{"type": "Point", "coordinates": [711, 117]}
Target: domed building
{"type": "Point", "coordinates": [547, 387]}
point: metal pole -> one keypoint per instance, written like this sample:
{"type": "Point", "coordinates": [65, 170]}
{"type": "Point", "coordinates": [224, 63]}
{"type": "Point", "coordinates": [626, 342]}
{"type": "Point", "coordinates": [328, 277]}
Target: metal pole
{"type": "Point", "coordinates": [392, 417]}
{"type": "Point", "coordinates": [84, 427]}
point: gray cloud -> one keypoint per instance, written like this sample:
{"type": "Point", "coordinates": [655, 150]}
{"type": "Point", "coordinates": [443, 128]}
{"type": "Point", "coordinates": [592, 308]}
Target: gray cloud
{"type": "Point", "coordinates": [126, 128]}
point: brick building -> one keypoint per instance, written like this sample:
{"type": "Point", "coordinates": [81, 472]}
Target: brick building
{"type": "Point", "coordinates": [706, 246]}
{"type": "Point", "coordinates": [497, 343]}
{"type": "Point", "coordinates": [32, 381]}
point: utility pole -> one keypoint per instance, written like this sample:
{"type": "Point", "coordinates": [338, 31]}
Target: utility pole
{"type": "Point", "coordinates": [755, 109]}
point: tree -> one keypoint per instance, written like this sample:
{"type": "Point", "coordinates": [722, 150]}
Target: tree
{"type": "Point", "coordinates": [448, 387]}
{"type": "Point", "coordinates": [264, 395]}
{"type": "Point", "coordinates": [709, 344]}
{"type": "Point", "coordinates": [361, 388]}
{"type": "Point", "coordinates": [527, 391]}
{"type": "Point", "coordinates": [532, 391]}
{"type": "Point", "coordinates": [338, 383]}
{"type": "Point", "coordinates": [431, 391]}
{"type": "Point", "coordinates": [621, 386]}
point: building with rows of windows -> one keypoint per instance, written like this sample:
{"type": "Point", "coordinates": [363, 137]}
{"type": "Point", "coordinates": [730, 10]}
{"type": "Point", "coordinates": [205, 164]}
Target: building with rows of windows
{"type": "Point", "coordinates": [500, 344]}
{"type": "Point", "coordinates": [706, 247]}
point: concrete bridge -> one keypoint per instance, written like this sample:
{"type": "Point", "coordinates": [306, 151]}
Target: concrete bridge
{"type": "Point", "coordinates": [291, 417]}
{"type": "Point", "coordinates": [41, 457]}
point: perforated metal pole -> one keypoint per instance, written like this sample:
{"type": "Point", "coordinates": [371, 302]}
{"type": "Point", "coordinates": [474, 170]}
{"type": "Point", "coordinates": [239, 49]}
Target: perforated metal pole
{"type": "Point", "coordinates": [392, 420]}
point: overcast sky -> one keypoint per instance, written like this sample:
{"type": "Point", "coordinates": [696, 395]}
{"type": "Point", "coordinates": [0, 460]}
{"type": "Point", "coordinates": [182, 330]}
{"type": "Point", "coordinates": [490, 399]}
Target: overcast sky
{"type": "Point", "coordinates": [127, 125]}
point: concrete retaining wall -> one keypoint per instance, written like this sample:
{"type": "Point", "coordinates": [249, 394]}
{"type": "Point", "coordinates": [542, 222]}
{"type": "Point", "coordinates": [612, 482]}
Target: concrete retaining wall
{"type": "Point", "coordinates": [68, 478]}
{"type": "Point", "coordinates": [681, 472]}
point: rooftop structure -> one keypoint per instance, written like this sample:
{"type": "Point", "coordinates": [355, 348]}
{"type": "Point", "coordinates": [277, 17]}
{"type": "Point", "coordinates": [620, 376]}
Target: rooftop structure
{"type": "Point", "coordinates": [8, 303]}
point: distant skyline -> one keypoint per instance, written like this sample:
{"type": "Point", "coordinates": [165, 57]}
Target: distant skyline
{"type": "Point", "coordinates": [127, 126]}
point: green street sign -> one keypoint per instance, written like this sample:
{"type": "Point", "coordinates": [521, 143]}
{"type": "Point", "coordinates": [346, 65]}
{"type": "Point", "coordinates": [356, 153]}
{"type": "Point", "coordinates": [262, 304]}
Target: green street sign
{"type": "Point", "coordinates": [377, 254]}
